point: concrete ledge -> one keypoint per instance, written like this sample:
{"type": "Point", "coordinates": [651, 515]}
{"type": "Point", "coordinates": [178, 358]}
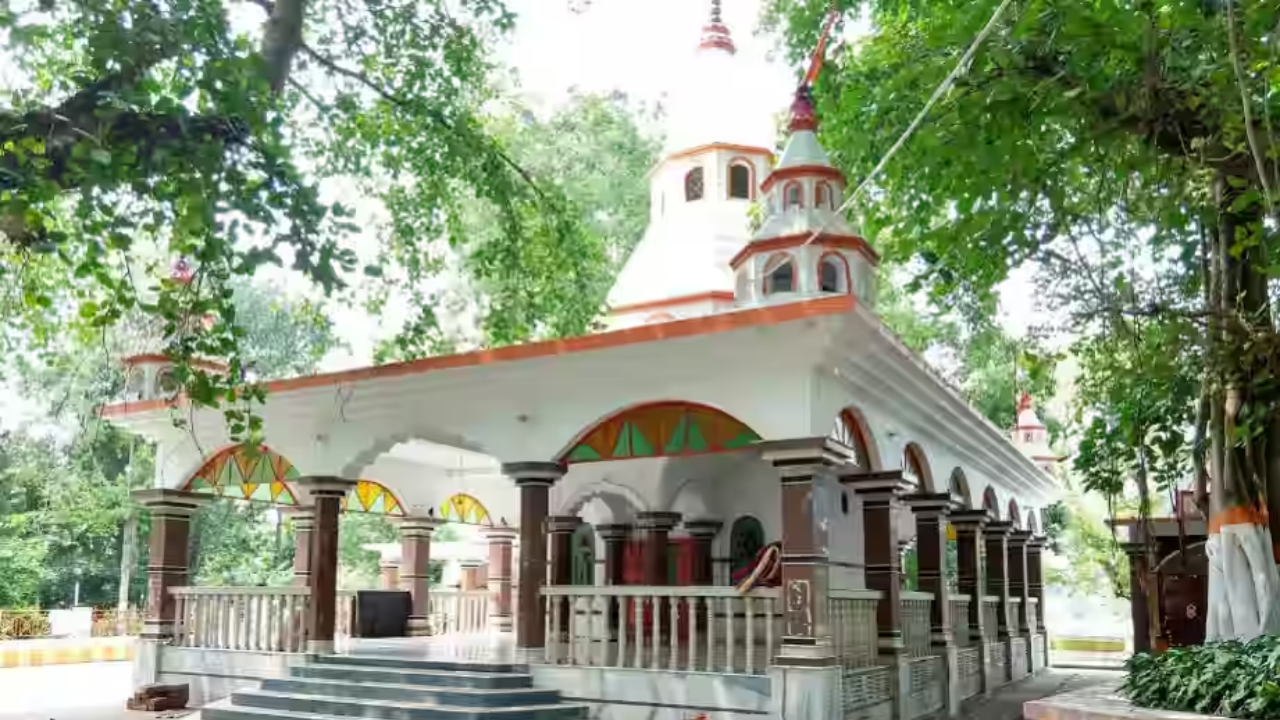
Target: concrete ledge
{"type": "Point", "coordinates": [1099, 704]}
{"type": "Point", "coordinates": [64, 651]}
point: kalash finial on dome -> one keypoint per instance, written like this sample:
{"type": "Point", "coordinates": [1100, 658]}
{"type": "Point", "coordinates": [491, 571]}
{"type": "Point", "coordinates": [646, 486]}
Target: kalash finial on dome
{"type": "Point", "coordinates": [715, 34]}
{"type": "Point", "coordinates": [803, 116]}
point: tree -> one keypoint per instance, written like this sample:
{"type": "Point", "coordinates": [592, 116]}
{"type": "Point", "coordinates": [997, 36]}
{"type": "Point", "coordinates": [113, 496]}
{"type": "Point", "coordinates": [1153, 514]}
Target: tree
{"type": "Point", "coordinates": [1128, 150]}
{"type": "Point", "coordinates": [190, 126]}
{"type": "Point", "coordinates": [594, 152]}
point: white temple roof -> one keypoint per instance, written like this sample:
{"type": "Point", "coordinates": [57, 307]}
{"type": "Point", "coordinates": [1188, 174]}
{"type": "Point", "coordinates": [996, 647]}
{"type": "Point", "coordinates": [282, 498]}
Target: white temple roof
{"type": "Point", "coordinates": [803, 149]}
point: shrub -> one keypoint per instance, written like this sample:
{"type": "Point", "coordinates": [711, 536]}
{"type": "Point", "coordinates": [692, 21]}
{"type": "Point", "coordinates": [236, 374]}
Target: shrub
{"type": "Point", "coordinates": [1231, 678]}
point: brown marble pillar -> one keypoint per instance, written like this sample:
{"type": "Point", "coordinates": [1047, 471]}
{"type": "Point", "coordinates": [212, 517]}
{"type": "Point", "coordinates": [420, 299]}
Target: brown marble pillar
{"type": "Point", "coordinates": [560, 530]}
{"type": "Point", "coordinates": [469, 578]}
{"type": "Point", "coordinates": [809, 497]}
{"type": "Point", "coordinates": [322, 611]}
{"type": "Point", "coordinates": [1018, 589]}
{"type": "Point", "coordinates": [656, 530]}
{"type": "Point", "coordinates": [881, 494]}
{"type": "Point", "coordinates": [534, 480]}
{"type": "Point", "coordinates": [415, 562]}
{"type": "Point", "coordinates": [168, 563]}
{"type": "Point", "coordinates": [997, 540]}
{"type": "Point", "coordinates": [931, 514]}
{"type": "Point", "coordinates": [499, 574]}
{"type": "Point", "coordinates": [303, 519]}
{"type": "Point", "coordinates": [703, 534]}
{"type": "Point", "coordinates": [389, 574]}
{"type": "Point", "coordinates": [615, 536]}
{"type": "Point", "coordinates": [1035, 578]}
{"type": "Point", "coordinates": [969, 581]}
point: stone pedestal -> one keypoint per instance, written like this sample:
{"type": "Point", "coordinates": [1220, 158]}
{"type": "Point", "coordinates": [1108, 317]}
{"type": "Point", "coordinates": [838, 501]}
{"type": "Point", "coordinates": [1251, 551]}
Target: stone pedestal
{"type": "Point", "coordinates": [415, 563]}
{"type": "Point", "coordinates": [560, 529]}
{"type": "Point", "coordinates": [806, 693]}
{"type": "Point", "coordinates": [499, 576]}
{"type": "Point", "coordinates": [389, 575]}
{"type": "Point", "coordinates": [703, 533]}
{"type": "Point", "coordinates": [469, 578]}
{"type": "Point", "coordinates": [655, 529]}
{"type": "Point", "coordinates": [969, 525]}
{"type": "Point", "coordinates": [534, 480]}
{"type": "Point", "coordinates": [931, 515]}
{"type": "Point", "coordinates": [996, 536]}
{"type": "Point", "coordinates": [326, 497]}
{"type": "Point", "coordinates": [614, 536]}
{"type": "Point", "coordinates": [168, 567]}
{"type": "Point", "coordinates": [303, 519]}
{"type": "Point", "coordinates": [1035, 588]}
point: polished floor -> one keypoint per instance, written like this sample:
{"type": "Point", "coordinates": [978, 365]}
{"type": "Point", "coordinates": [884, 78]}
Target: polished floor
{"type": "Point", "coordinates": [487, 648]}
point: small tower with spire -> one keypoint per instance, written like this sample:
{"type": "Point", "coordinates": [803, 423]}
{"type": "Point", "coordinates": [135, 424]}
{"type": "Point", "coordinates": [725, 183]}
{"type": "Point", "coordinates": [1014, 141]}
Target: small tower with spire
{"type": "Point", "coordinates": [804, 247]}
{"type": "Point", "coordinates": [1032, 437]}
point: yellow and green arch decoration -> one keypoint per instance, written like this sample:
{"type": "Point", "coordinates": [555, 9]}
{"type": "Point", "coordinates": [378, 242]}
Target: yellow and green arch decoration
{"type": "Point", "coordinates": [464, 508]}
{"type": "Point", "coordinates": [261, 474]}
{"type": "Point", "coordinates": [662, 429]}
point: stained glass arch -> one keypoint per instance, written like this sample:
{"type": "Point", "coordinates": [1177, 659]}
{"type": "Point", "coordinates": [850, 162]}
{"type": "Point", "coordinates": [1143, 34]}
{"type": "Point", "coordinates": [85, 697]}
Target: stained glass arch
{"type": "Point", "coordinates": [1015, 516]}
{"type": "Point", "coordinates": [372, 497]}
{"type": "Point", "coordinates": [661, 429]}
{"type": "Point", "coordinates": [916, 468]}
{"type": "Point", "coordinates": [242, 472]}
{"type": "Point", "coordinates": [850, 430]}
{"type": "Point", "coordinates": [990, 502]}
{"type": "Point", "coordinates": [465, 508]}
{"type": "Point", "coordinates": [959, 487]}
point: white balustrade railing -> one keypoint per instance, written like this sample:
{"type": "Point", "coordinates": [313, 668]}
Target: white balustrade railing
{"type": "Point", "coordinates": [251, 618]}
{"type": "Point", "coordinates": [990, 617]}
{"type": "Point", "coordinates": [916, 622]}
{"type": "Point", "coordinates": [458, 611]}
{"type": "Point", "coordinates": [960, 627]}
{"type": "Point", "coordinates": [712, 629]}
{"type": "Point", "coordinates": [856, 637]}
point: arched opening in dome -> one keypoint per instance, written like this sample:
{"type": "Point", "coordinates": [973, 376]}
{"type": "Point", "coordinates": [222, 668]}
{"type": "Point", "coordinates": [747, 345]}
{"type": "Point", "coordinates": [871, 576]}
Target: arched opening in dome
{"type": "Point", "coordinates": [833, 274]}
{"type": "Point", "coordinates": [693, 185]}
{"type": "Point", "coordinates": [823, 197]}
{"type": "Point", "coordinates": [779, 275]}
{"type": "Point", "coordinates": [739, 180]}
{"type": "Point", "coordinates": [793, 196]}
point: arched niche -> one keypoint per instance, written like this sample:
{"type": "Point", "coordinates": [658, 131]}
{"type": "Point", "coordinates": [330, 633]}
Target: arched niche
{"type": "Point", "coordinates": [990, 502]}
{"type": "Point", "coordinates": [371, 496]}
{"type": "Point", "coordinates": [464, 508]}
{"type": "Point", "coordinates": [746, 538]}
{"type": "Point", "coordinates": [850, 429]}
{"type": "Point", "coordinates": [1033, 523]}
{"type": "Point", "coordinates": [1015, 515]}
{"type": "Point", "coordinates": [915, 467]}
{"type": "Point", "coordinates": [958, 485]}
{"type": "Point", "coordinates": [582, 562]}
{"type": "Point", "coordinates": [660, 429]}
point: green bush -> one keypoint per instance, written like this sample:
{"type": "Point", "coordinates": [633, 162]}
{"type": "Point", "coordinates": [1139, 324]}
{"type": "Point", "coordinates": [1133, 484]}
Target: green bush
{"type": "Point", "coordinates": [1234, 679]}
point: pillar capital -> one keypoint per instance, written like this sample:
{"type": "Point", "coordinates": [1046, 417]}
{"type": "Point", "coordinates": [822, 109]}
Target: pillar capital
{"type": "Point", "coordinates": [655, 520]}
{"type": "Point", "coordinates": [614, 531]}
{"type": "Point", "coordinates": [303, 517]}
{"type": "Point", "coordinates": [418, 525]}
{"type": "Point", "coordinates": [500, 533]}
{"type": "Point", "coordinates": [1037, 543]}
{"type": "Point", "coordinates": [703, 528]}
{"type": "Point", "coordinates": [930, 504]}
{"type": "Point", "coordinates": [800, 457]}
{"type": "Point", "coordinates": [999, 528]}
{"type": "Point", "coordinates": [887, 486]}
{"type": "Point", "coordinates": [534, 472]}
{"type": "Point", "coordinates": [557, 524]}
{"type": "Point", "coordinates": [970, 519]}
{"type": "Point", "coordinates": [1019, 538]}
{"type": "Point", "coordinates": [174, 503]}
{"type": "Point", "coordinates": [325, 486]}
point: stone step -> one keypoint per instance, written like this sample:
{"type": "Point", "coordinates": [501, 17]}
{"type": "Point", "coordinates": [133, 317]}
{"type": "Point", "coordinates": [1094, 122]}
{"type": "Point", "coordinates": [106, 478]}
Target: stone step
{"type": "Point", "coordinates": [409, 676]}
{"type": "Point", "coordinates": [393, 661]}
{"type": "Point", "coordinates": [389, 710]}
{"type": "Point", "coordinates": [455, 696]}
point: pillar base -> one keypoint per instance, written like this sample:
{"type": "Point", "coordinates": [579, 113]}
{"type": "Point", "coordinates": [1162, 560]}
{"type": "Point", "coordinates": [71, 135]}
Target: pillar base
{"type": "Point", "coordinates": [418, 626]}
{"type": "Point", "coordinates": [319, 647]}
{"type": "Point", "coordinates": [954, 688]}
{"type": "Point", "coordinates": [146, 661]}
{"type": "Point", "coordinates": [502, 623]}
{"type": "Point", "coordinates": [806, 693]}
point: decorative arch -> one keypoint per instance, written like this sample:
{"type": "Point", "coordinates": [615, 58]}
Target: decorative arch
{"type": "Point", "coordinates": [833, 273]}
{"type": "Point", "coordinates": [792, 195]}
{"type": "Point", "coordinates": [372, 497]}
{"type": "Point", "coordinates": [990, 502]}
{"type": "Point", "coordinates": [242, 472]}
{"type": "Point", "coordinates": [850, 429]}
{"type": "Point", "coordinates": [958, 485]}
{"type": "Point", "coordinates": [915, 467]}
{"type": "Point", "coordinates": [382, 444]}
{"type": "Point", "coordinates": [694, 185]}
{"type": "Point", "coordinates": [464, 508]}
{"type": "Point", "coordinates": [1033, 524]}
{"type": "Point", "coordinates": [822, 197]}
{"type": "Point", "coordinates": [741, 179]}
{"type": "Point", "coordinates": [780, 274]}
{"type": "Point", "coordinates": [1015, 516]}
{"type": "Point", "coordinates": [623, 501]}
{"type": "Point", "coordinates": [661, 429]}
{"type": "Point", "coordinates": [582, 562]}
{"type": "Point", "coordinates": [746, 538]}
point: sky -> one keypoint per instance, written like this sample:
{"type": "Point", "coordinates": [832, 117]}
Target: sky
{"type": "Point", "coordinates": [639, 47]}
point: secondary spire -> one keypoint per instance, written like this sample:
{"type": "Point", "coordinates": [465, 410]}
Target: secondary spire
{"type": "Point", "coordinates": [715, 34]}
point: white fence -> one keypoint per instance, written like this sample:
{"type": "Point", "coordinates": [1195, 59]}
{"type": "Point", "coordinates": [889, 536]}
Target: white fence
{"type": "Point", "coordinates": [256, 618]}
{"type": "Point", "coordinates": [458, 611]}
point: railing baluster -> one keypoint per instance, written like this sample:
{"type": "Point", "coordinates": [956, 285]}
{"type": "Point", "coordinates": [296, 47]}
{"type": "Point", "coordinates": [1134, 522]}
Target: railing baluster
{"type": "Point", "coordinates": [730, 635]}
{"type": "Point", "coordinates": [751, 633]}
{"type": "Point", "coordinates": [770, 608]}
{"type": "Point", "coordinates": [655, 659]}
{"type": "Point", "coordinates": [637, 605]}
{"type": "Point", "coordinates": [711, 634]}
{"type": "Point", "coordinates": [692, 662]}
{"type": "Point", "coordinates": [622, 616]}
{"type": "Point", "coordinates": [673, 603]}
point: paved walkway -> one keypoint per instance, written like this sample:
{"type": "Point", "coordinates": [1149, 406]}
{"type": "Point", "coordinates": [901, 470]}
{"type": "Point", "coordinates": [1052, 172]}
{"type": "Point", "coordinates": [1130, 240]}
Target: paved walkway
{"type": "Point", "coordinates": [1006, 703]}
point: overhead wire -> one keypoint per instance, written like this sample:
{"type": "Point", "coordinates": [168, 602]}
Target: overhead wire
{"type": "Point", "coordinates": [942, 89]}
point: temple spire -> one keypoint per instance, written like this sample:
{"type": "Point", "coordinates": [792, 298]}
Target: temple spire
{"type": "Point", "coordinates": [715, 34]}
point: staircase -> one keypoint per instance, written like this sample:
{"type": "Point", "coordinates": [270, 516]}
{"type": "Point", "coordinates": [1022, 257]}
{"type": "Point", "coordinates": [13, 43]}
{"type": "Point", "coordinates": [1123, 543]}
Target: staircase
{"type": "Point", "coordinates": [334, 687]}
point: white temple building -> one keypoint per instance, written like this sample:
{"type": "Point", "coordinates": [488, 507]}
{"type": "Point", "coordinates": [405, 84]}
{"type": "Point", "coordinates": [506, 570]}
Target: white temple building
{"type": "Point", "coordinates": [708, 497]}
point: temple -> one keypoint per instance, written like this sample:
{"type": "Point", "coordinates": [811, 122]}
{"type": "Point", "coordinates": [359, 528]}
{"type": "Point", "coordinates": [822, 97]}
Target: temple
{"type": "Point", "coordinates": [701, 509]}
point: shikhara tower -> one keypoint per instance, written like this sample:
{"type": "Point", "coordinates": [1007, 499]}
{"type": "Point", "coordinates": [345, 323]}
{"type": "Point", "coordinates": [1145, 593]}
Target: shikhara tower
{"type": "Point", "coordinates": [699, 255]}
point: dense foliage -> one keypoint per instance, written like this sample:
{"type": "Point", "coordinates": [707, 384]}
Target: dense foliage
{"type": "Point", "coordinates": [1231, 679]}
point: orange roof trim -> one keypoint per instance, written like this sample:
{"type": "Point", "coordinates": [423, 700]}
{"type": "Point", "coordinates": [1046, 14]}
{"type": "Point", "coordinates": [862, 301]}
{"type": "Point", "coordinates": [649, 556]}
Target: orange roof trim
{"type": "Point", "coordinates": [710, 296]}
{"type": "Point", "coordinates": [786, 242]}
{"type": "Point", "coordinates": [727, 147]}
{"type": "Point", "coordinates": [210, 365]}
{"type": "Point", "coordinates": [706, 325]}
{"type": "Point", "coordinates": [801, 171]}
